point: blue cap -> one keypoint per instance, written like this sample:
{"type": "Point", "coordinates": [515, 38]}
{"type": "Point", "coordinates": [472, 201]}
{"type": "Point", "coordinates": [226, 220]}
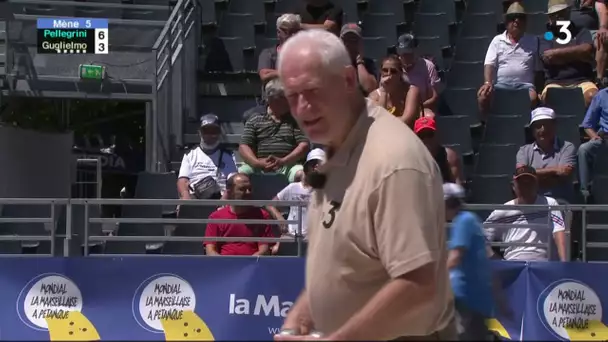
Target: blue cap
{"type": "Point", "coordinates": [210, 119]}
{"type": "Point", "coordinates": [406, 43]}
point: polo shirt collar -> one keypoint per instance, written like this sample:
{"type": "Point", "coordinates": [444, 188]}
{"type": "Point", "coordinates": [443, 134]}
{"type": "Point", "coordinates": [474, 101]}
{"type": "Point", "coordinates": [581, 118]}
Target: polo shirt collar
{"type": "Point", "coordinates": [342, 156]}
{"type": "Point", "coordinates": [555, 146]}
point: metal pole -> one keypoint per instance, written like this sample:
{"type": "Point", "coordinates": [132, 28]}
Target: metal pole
{"type": "Point", "coordinates": [299, 236]}
{"type": "Point", "coordinates": [53, 228]}
{"type": "Point", "coordinates": [584, 234]}
{"type": "Point", "coordinates": [86, 229]}
{"type": "Point", "coordinates": [98, 178]}
{"type": "Point", "coordinates": [68, 230]}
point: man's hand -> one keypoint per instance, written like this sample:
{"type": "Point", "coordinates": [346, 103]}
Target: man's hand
{"type": "Point", "coordinates": [360, 59]}
{"type": "Point", "coordinates": [272, 163]}
{"type": "Point", "coordinates": [260, 163]}
{"type": "Point", "coordinates": [549, 56]}
{"type": "Point", "coordinates": [596, 137]}
{"type": "Point", "coordinates": [275, 249]}
{"type": "Point", "coordinates": [563, 170]}
{"type": "Point", "coordinates": [600, 37]}
{"type": "Point", "coordinates": [485, 89]}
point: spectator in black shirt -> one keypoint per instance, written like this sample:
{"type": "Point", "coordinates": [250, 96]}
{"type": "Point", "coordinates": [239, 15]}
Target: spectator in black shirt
{"type": "Point", "coordinates": [287, 26]}
{"type": "Point", "coordinates": [321, 14]}
{"type": "Point", "coordinates": [352, 38]}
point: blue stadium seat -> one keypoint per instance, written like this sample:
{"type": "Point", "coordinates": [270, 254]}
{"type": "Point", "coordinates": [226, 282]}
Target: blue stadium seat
{"type": "Point", "coordinates": [101, 11]}
{"type": "Point", "coordinates": [485, 6]}
{"type": "Point", "coordinates": [286, 6]}
{"type": "Point", "coordinates": [42, 10]}
{"type": "Point", "coordinates": [537, 23]}
{"type": "Point", "coordinates": [568, 129]}
{"type": "Point", "coordinates": [267, 185]}
{"type": "Point", "coordinates": [460, 102]}
{"type": "Point", "coordinates": [511, 102]}
{"type": "Point", "coordinates": [566, 101]}
{"type": "Point", "coordinates": [253, 7]}
{"type": "Point", "coordinates": [505, 129]}
{"type": "Point", "coordinates": [380, 25]}
{"type": "Point", "coordinates": [472, 49]}
{"type": "Point", "coordinates": [387, 6]}
{"type": "Point", "coordinates": [375, 48]}
{"type": "Point", "coordinates": [465, 75]}
{"type": "Point", "coordinates": [439, 6]}
{"type": "Point", "coordinates": [534, 6]}
{"type": "Point", "coordinates": [208, 15]}
{"type": "Point", "coordinates": [496, 159]}
{"type": "Point", "coordinates": [455, 130]}
{"type": "Point", "coordinates": [479, 25]}
{"type": "Point", "coordinates": [351, 14]}
{"type": "Point", "coordinates": [239, 25]}
{"type": "Point", "coordinates": [491, 189]}
{"type": "Point", "coordinates": [433, 25]}
{"type": "Point", "coordinates": [431, 46]}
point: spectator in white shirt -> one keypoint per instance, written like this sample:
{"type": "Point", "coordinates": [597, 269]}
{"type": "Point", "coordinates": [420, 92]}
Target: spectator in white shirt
{"type": "Point", "coordinates": [511, 61]}
{"type": "Point", "coordinates": [525, 186]}
{"type": "Point", "coordinates": [205, 168]}
{"type": "Point", "coordinates": [299, 191]}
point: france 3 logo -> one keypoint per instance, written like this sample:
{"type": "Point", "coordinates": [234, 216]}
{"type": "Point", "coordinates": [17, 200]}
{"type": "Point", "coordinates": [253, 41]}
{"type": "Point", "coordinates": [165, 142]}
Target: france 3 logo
{"type": "Point", "coordinates": [564, 37]}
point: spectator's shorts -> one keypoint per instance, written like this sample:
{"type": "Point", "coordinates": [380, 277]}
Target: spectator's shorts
{"type": "Point", "coordinates": [585, 86]}
{"type": "Point", "coordinates": [289, 171]}
{"type": "Point", "coordinates": [514, 86]}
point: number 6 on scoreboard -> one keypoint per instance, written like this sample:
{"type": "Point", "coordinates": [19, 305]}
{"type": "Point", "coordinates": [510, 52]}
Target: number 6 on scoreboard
{"type": "Point", "coordinates": [101, 41]}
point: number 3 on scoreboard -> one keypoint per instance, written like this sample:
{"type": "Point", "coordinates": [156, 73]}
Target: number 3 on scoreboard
{"type": "Point", "coordinates": [101, 41]}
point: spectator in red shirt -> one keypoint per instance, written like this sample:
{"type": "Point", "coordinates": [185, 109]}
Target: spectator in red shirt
{"type": "Point", "coordinates": [238, 187]}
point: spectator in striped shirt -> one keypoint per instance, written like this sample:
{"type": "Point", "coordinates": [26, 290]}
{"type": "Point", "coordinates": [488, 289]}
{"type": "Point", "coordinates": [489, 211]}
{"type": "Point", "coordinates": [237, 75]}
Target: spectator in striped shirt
{"type": "Point", "coordinates": [272, 141]}
{"type": "Point", "coordinates": [525, 186]}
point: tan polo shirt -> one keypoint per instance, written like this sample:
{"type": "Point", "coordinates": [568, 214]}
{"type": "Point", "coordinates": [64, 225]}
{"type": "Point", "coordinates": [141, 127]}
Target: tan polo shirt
{"type": "Point", "coordinates": [380, 216]}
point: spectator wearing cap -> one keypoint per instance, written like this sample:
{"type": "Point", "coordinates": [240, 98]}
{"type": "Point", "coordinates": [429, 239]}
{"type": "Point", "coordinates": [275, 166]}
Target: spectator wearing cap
{"type": "Point", "coordinates": [568, 65]}
{"type": "Point", "coordinates": [420, 71]}
{"type": "Point", "coordinates": [206, 164]}
{"type": "Point", "coordinates": [352, 38]}
{"type": "Point", "coordinates": [272, 141]}
{"type": "Point", "coordinates": [300, 191]}
{"type": "Point", "coordinates": [511, 60]}
{"type": "Point", "coordinates": [470, 273]}
{"type": "Point", "coordinates": [446, 158]}
{"type": "Point", "coordinates": [525, 187]}
{"type": "Point", "coordinates": [554, 159]}
{"type": "Point", "coordinates": [287, 25]}
{"type": "Point", "coordinates": [396, 94]}
{"type": "Point", "coordinates": [595, 124]}
{"type": "Point", "coordinates": [320, 14]}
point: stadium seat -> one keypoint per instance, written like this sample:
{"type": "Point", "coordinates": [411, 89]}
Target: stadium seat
{"type": "Point", "coordinates": [234, 48]}
{"type": "Point", "coordinates": [101, 11]}
{"type": "Point", "coordinates": [380, 25]}
{"type": "Point", "coordinates": [228, 109]}
{"type": "Point", "coordinates": [22, 228]}
{"type": "Point", "coordinates": [486, 6]}
{"type": "Point", "coordinates": [479, 25]}
{"type": "Point", "coordinates": [375, 48]}
{"type": "Point", "coordinates": [433, 25]}
{"type": "Point", "coordinates": [387, 6]}
{"type": "Point", "coordinates": [511, 102]}
{"type": "Point", "coordinates": [349, 7]}
{"type": "Point", "coordinates": [431, 46]}
{"type": "Point", "coordinates": [491, 189]}
{"type": "Point", "coordinates": [439, 6]}
{"type": "Point", "coordinates": [472, 49]}
{"type": "Point", "coordinates": [78, 229]}
{"type": "Point", "coordinates": [537, 23]}
{"type": "Point", "coordinates": [286, 6]}
{"type": "Point", "coordinates": [455, 130]}
{"type": "Point", "coordinates": [136, 14]}
{"type": "Point", "coordinates": [253, 7]}
{"type": "Point", "coordinates": [534, 6]}
{"type": "Point", "coordinates": [601, 166]}
{"type": "Point", "coordinates": [239, 25]}
{"type": "Point", "coordinates": [460, 102]}
{"type": "Point", "coordinates": [496, 159]}
{"type": "Point", "coordinates": [208, 15]}
{"type": "Point", "coordinates": [267, 185]}
{"type": "Point", "coordinates": [43, 10]}
{"type": "Point", "coordinates": [465, 75]}
{"type": "Point", "coordinates": [568, 129]}
{"type": "Point", "coordinates": [566, 101]}
{"type": "Point", "coordinates": [505, 129]}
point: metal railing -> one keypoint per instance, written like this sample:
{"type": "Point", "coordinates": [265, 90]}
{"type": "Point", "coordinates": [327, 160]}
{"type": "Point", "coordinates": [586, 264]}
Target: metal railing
{"type": "Point", "coordinates": [59, 207]}
{"type": "Point", "coordinates": [88, 178]}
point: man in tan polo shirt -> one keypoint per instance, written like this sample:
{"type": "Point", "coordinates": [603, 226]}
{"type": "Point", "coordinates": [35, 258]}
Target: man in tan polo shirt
{"type": "Point", "coordinates": [377, 256]}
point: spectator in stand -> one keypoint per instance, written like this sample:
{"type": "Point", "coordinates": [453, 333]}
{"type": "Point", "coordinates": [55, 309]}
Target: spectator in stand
{"type": "Point", "coordinates": [352, 38]}
{"type": "Point", "coordinates": [525, 186]}
{"type": "Point", "coordinates": [320, 14]}
{"type": "Point", "coordinates": [593, 15]}
{"type": "Point", "coordinates": [470, 272]}
{"type": "Point", "coordinates": [287, 26]}
{"type": "Point", "coordinates": [238, 188]}
{"type": "Point", "coordinates": [511, 60]}
{"type": "Point", "coordinates": [446, 158]}
{"type": "Point", "coordinates": [273, 142]}
{"type": "Point", "coordinates": [299, 191]}
{"type": "Point", "coordinates": [420, 71]}
{"type": "Point", "coordinates": [205, 168]}
{"type": "Point", "coordinates": [596, 127]}
{"type": "Point", "coordinates": [568, 65]}
{"type": "Point", "coordinates": [396, 94]}
{"type": "Point", "coordinates": [554, 159]}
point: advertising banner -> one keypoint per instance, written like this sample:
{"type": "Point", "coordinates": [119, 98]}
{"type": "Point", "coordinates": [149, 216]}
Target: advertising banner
{"type": "Point", "coordinates": [193, 298]}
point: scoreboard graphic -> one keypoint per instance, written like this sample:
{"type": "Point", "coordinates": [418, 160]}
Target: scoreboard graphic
{"type": "Point", "coordinates": [72, 36]}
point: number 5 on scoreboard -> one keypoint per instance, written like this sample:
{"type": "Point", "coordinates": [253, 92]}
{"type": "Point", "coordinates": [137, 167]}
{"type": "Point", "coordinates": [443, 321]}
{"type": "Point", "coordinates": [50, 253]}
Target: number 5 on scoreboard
{"type": "Point", "coordinates": [101, 41]}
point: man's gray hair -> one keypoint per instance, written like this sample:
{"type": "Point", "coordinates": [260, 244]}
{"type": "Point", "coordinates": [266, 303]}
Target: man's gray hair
{"type": "Point", "coordinates": [328, 46]}
{"type": "Point", "coordinates": [289, 21]}
{"type": "Point", "coordinates": [274, 88]}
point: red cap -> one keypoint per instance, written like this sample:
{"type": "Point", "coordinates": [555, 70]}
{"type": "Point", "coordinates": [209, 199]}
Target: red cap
{"type": "Point", "coordinates": [424, 123]}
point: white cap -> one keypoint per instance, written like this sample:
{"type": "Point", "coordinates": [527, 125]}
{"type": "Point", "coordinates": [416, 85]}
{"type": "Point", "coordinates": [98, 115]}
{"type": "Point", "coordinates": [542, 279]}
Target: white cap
{"type": "Point", "coordinates": [453, 190]}
{"type": "Point", "coordinates": [542, 113]}
{"type": "Point", "coordinates": [316, 154]}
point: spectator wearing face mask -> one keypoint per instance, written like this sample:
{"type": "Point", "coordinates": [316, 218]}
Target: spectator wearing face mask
{"type": "Point", "coordinates": [205, 168]}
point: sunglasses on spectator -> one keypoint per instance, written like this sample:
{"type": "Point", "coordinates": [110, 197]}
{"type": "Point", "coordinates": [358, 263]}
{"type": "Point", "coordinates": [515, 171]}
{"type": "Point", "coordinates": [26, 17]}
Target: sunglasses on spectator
{"type": "Point", "coordinates": [513, 17]}
{"type": "Point", "coordinates": [391, 71]}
